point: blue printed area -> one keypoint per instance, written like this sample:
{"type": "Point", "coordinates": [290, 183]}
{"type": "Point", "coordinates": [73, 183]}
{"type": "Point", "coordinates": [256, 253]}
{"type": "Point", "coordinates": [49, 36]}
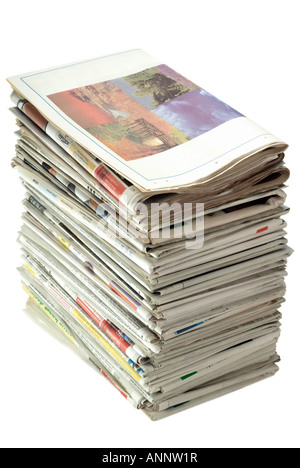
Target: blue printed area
{"type": "Point", "coordinates": [125, 337]}
{"type": "Point", "coordinates": [196, 112]}
{"type": "Point", "coordinates": [135, 367]}
{"type": "Point", "coordinates": [188, 328]}
{"type": "Point", "coordinates": [36, 203]}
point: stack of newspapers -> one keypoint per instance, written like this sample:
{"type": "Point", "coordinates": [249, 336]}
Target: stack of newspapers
{"type": "Point", "coordinates": [152, 238]}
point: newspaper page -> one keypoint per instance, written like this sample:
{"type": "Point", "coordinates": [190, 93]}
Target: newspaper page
{"type": "Point", "coordinates": [131, 113]}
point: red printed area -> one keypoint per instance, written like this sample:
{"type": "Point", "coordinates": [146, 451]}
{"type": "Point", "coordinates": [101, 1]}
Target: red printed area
{"type": "Point", "coordinates": [115, 290]}
{"type": "Point", "coordinates": [109, 331]}
{"type": "Point", "coordinates": [90, 313]}
{"type": "Point", "coordinates": [262, 229]}
{"type": "Point", "coordinates": [105, 327]}
{"type": "Point", "coordinates": [35, 115]}
{"type": "Point", "coordinates": [86, 114]}
{"type": "Point", "coordinates": [108, 181]}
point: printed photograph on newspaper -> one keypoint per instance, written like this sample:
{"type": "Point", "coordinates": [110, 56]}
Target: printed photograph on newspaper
{"type": "Point", "coordinates": [156, 128]}
{"type": "Point", "coordinates": [145, 113]}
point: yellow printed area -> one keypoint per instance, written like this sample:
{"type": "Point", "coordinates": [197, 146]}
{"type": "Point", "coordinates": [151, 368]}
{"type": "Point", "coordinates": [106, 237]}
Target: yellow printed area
{"type": "Point", "coordinates": [105, 344]}
{"type": "Point", "coordinates": [50, 314]}
{"type": "Point", "coordinates": [82, 158]}
{"type": "Point", "coordinates": [30, 269]}
{"type": "Point", "coordinates": [63, 242]}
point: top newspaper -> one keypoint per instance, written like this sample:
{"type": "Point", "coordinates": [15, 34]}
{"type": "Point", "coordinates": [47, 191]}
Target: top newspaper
{"type": "Point", "coordinates": [130, 113]}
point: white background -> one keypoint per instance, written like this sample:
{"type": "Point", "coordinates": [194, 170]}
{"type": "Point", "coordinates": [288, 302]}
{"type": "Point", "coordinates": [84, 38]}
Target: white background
{"type": "Point", "coordinates": [245, 53]}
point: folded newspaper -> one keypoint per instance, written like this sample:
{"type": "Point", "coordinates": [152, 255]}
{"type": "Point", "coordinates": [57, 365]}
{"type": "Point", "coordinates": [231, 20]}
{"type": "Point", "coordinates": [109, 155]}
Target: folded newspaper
{"type": "Point", "coordinates": [153, 237]}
